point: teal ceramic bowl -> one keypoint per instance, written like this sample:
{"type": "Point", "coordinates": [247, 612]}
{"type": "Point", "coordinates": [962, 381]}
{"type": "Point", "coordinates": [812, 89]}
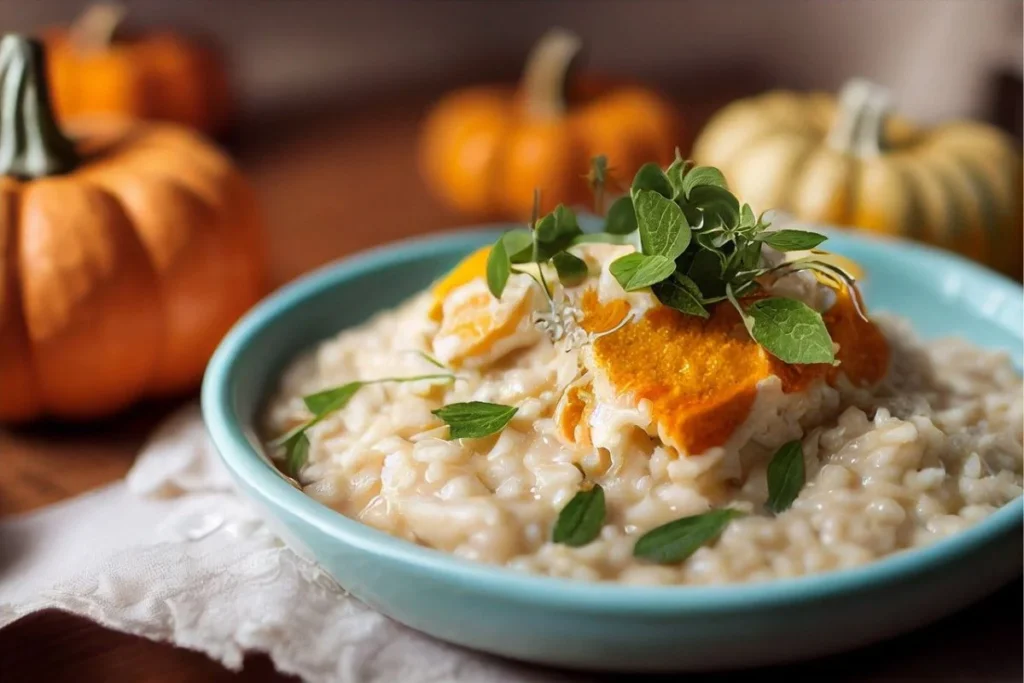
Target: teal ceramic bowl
{"type": "Point", "coordinates": [606, 626]}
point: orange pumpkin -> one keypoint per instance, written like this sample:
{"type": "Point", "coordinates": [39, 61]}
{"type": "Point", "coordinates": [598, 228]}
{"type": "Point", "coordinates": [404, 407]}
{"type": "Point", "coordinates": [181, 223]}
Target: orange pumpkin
{"type": "Point", "coordinates": [96, 69]}
{"type": "Point", "coordinates": [125, 254]}
{"type": "Point", "coordinates": [484, 150]}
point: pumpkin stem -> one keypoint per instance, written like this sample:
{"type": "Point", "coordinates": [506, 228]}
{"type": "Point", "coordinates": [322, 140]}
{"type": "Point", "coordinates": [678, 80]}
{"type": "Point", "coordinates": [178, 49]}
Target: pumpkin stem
{"type": "Point", "coordinates": [860, 119]}
{"type": "Point", "coordinates": [94, 30]}
{"type": "Point", "coordinates": [546, 73]}
{"type": "Point", "coordinates": [870, 140]}
{"type": "Point", "coordinates": [31, 144]}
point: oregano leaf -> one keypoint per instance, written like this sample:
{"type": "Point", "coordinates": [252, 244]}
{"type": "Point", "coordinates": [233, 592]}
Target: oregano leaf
{"type": "Point", "coordinates": [637, 271]}
{"type": "Point", "coordinates": [674, 542]}
{"type": "Point", "coordinates": [701, 176]}
{"type": "Point", "coordinates": [791, 240]}
{"type": "Point", "coordinates": [650, 177]}
{"type": "Point", "coordinates": [706, 272]}
{"type": "Point", "coordinates": [625, 267]}
{"type": "Point", "coordinates": [499, 267]}
{"type": "Point", "coordinates": [329, 400]}
{"type": "Point", "coordinates": [675, 172]}
{"type": "Point", "coordinates": [663, 228]}
{"type": "Point", "coordinates": [580, 521]}
{"type": "Point", "coordinates": [296, 454]}
{"type": "Point", "coordinates": [681, 293]}
{"type": "Point", "coordinates": [790, 330]}
{"type": "Point", "coordinates": [621, 219]}
{"type": "Point", "coordinates": [718, 206]}
{"type": "Point", "coordinates": [571, 269]}
{"type": "Point", "coordinates": [785, 477]}
{"type": "Point", "coordinates": [555, 232]}
{"type": "Point", "coordinates": [565, 220]}
{"type": "Point", "coordinates": [518, 245]}
{"type": "Point", "coordinates": [475, 419]}
{"type": "Point", "coordinates": [747, 218]}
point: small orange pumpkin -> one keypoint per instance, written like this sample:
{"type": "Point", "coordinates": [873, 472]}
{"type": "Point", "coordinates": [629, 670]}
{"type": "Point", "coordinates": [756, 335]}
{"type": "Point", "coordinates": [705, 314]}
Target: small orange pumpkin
{"type": "Point", "coordinates": [484, 150]}
{"type": "Point", "coordinates": [124, 255]}
{"type": "Point", "coordinates": [95, 68]}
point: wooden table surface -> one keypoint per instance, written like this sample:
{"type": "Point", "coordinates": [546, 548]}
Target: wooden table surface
{"type": "Point", "coordinates": [330, 186]}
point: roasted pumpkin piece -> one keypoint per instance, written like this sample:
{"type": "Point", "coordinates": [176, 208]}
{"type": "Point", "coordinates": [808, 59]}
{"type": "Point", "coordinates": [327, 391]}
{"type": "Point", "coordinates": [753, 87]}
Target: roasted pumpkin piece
{"type": "Point", "coordinates": [701, 376]}
{"type": "Point", "coordinates": [477, 328]}
{"type": "Point", "coordinates": [468, 269]}
{"type": "Point", "coordinates": [572, 415]}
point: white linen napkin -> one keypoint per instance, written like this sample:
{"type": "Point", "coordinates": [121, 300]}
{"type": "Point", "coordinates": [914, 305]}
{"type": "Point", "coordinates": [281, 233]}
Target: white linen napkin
{"type": "Point", "coordinates": [173, 554]}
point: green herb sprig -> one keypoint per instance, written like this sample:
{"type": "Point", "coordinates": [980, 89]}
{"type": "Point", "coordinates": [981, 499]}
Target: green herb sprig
{"type": "Point", "coordinates": [700, 246]}
{"type": "Point", "coordinates": [697, 246]}
{"type": "Point", "coordinates": [547, 240]}
{"type": "Point", "coordinates": [323, 403]}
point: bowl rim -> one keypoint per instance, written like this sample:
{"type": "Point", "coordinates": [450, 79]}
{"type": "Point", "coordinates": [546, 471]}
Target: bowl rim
{"type": "Point", "coordinates": [248, 465]}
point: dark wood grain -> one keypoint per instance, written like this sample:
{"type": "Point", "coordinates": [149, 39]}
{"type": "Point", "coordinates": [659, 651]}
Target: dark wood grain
{"type": "Point", "coordinates": [56, 646]}
{"type": "Point", "coordinates": [333, 183]}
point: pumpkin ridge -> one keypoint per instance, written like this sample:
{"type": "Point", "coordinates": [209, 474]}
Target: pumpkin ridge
{"type": "Point", "coordinates": [19, 398]}
{"type": "Point", "coordinates": [789, 193]}
{"type": "Point", "coordinates": [91, 319]}
{"type": "Point", "coordinates": [101, 263]}
{"type": "Point", "coordinates": [964, 231]}
{"type": "Point", "coordinates": [767, 189]}
{"type": "Point", "coordinates": [930, 189]}
{"type": "Point", "coordinates": [758, 136]}
{"type": "Point", "coordinates": [225, 238]}
{"type": "Point", "coordinates": [990, 220]}
{"type": "Point", "coordinates": [915, 219]}
{"type": "Point", "coordinates": [203, 245]}
{"type": "Point", "coordinates": [163, 253]}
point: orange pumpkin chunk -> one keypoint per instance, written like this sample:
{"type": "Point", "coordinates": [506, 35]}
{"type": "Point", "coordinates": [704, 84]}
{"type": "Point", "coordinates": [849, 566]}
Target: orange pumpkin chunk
{"type": "Point", "coordinates": [701, 376]}
{"type": "Point", "coordinates": [574, 413]}
{"type": "Point", "coordinates": [863, 350]}
{"type": "Point", "coordinates": [476, 328]}
{"type": "Point", "coordinates": [469, 269]}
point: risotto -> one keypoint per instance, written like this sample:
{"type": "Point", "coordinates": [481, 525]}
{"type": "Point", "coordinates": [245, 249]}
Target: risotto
{"type": "Point", "coordinates": [901, 446]}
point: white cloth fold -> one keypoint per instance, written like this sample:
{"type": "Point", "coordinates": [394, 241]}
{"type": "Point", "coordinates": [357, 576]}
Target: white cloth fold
{"type": "Point", "coordinates": [173, 554]}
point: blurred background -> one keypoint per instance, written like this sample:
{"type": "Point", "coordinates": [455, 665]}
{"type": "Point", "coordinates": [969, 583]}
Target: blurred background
{"type": "Point", "coordinates": [358, 123]}
{"type": "Point", "coordinates": [329, 95]}
{"type": "Point", "coordinates": [941, 58]}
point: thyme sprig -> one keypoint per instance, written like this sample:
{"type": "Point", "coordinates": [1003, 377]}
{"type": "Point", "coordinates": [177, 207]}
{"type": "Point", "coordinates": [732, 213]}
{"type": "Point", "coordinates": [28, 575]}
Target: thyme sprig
{"type": "Point", "coordinates": [474, 419]}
